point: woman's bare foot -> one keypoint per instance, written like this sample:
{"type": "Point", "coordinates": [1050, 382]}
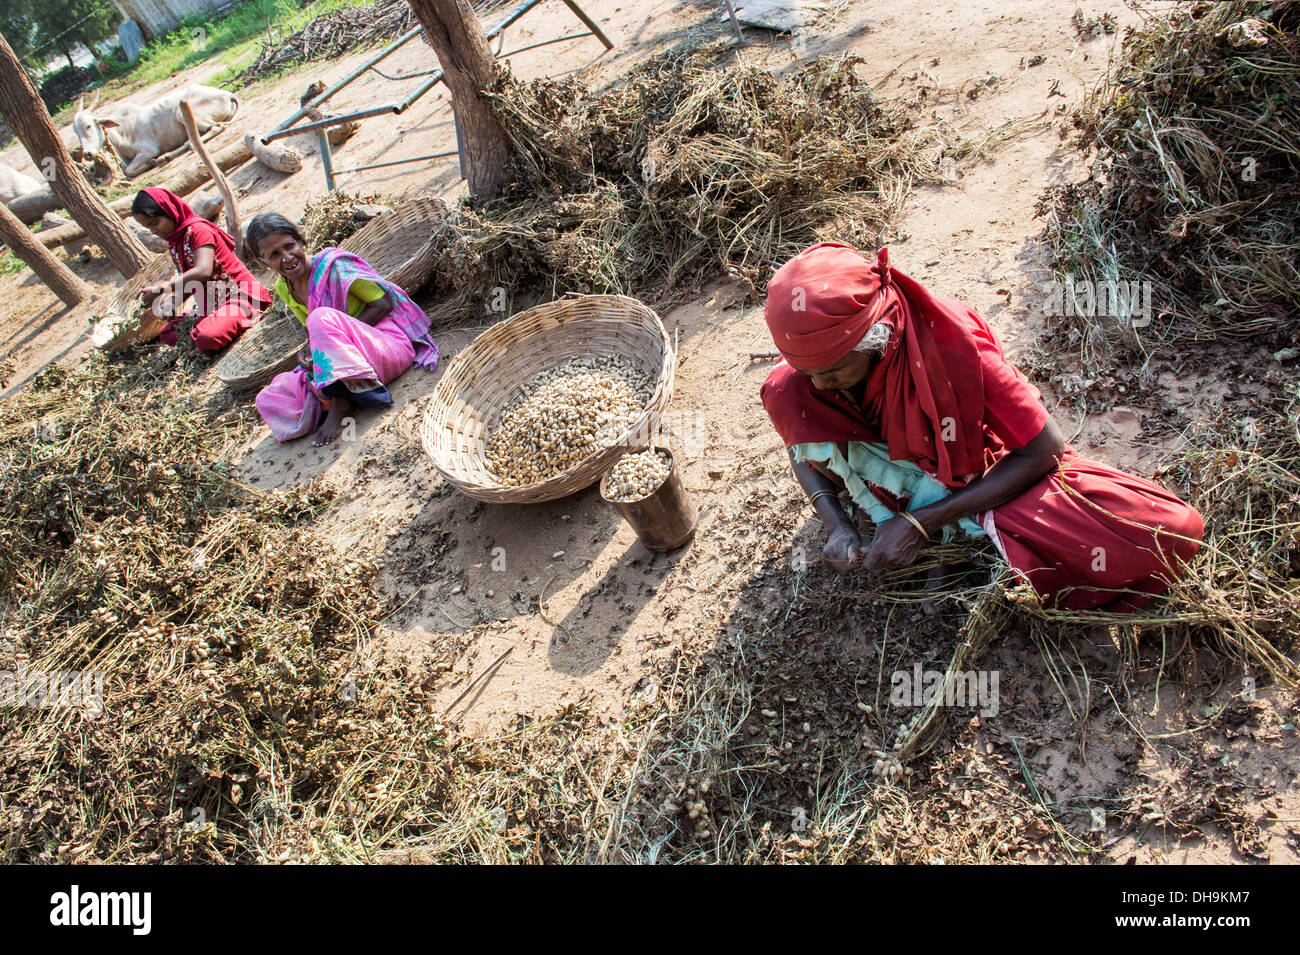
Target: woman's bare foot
{"type": "Point", "coordinates": [333, 424]}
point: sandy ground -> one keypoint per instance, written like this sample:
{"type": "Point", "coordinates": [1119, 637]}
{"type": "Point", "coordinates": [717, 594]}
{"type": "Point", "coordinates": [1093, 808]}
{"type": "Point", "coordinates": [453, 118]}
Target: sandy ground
{"type": "Point", "coordinates": [583, 609]}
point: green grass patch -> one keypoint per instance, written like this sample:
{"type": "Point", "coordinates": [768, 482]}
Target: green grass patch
{"type": "Point", "coordinates": [10, 264]}
{"type": "Point", "coordinates": [236, 38]}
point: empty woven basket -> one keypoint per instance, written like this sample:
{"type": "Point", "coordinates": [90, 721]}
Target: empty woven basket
{"type": "Point", "coordinates": [114, 332]}
{"type": "Point", "coordinates": [481, 380]}
{"type": "Point", "coordinates": [399, 245]}
{"type": "Point", "coordinates": [268, 348]}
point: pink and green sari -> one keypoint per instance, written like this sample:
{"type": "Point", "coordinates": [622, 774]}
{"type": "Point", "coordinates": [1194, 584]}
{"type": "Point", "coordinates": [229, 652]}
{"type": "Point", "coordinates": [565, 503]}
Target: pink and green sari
{"type": "Point", "coordinates": [349, 358]}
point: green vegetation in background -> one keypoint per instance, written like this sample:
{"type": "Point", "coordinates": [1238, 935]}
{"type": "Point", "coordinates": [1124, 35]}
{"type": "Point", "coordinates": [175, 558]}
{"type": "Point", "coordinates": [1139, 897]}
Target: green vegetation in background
{"type": "Point", "coordinates": [10, 264]}
{"type": "Point", "coordinates": [40, 30]}
{"type": "Point", "coordinates": [234, 38]}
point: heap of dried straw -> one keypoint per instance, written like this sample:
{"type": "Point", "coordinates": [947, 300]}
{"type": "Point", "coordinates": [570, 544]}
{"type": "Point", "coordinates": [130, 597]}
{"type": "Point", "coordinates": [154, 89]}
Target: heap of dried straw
{"type": "Point", "coordinates": [1196, 133]}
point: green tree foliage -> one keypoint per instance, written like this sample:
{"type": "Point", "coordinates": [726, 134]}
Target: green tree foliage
{"type": "Point", "coordinates": [39, 29]}
{"type": "Point", "coordinates": [19, 30]}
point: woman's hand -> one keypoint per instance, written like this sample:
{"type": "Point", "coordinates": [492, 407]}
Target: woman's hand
{"type": "Point", "coordinates": [305, 359]}
{"type": "Point", "coordinates": [162, 300]}
{"type": "Point", "coordinates": [897, 543]}
{"type": "Point", "coordinates": [843, 549]}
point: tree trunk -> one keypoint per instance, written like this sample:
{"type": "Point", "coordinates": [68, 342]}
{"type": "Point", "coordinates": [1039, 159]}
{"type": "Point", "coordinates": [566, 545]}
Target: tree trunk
{"type": "Point", "coordinates": [28, 118]}
{"type": "Point", "coordinates": [50, 270]}
{"type": "Point", "coordinates": [468, 69]}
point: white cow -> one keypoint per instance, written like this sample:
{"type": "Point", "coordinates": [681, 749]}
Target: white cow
{"type": "Point", "coordinates": [139, 134]}
{"type": "Point", "coordinates": [14, 184]}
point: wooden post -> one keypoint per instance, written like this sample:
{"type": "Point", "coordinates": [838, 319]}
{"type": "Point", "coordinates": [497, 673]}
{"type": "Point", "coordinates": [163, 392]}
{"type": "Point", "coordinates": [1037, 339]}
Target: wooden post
{"type": "Point", "coordinates": [27, 116]}
{"type": "Point", "coordinates": [61, 279]}
{"type": "Point", "coordinates": [233, 225]}
{"type": "Point", "coordinates": [209, 207]}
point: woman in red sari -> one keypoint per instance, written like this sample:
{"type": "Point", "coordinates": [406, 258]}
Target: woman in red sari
{"type": "Point", "coordinates": [906, 401]}
{"type": "Point", "coordinates": [227, 299]}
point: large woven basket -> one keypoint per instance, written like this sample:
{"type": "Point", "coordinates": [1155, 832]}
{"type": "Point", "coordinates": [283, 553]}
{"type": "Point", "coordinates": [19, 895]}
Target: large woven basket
{"type": "Point", "coordinates": [268, 348]}
{"type": "Point", "coordinates": [400, 245]}
{"type": "Point", "coordinates": [481, 380]}
{"type": "Point", "coordinates": [148, 325]}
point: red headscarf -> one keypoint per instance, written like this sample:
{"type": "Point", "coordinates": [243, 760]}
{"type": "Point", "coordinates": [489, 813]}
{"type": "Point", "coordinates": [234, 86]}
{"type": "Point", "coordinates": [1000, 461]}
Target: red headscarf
{"type": "Point", "coordinates": [200, 232]}
{"type": "Point", "coordinates": [179, 211]}
{"type": "Point", "coordinates": [924, 398]}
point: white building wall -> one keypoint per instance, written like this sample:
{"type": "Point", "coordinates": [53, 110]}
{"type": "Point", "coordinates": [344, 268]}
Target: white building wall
{"type": "Point", "coordinates": [157, 17]}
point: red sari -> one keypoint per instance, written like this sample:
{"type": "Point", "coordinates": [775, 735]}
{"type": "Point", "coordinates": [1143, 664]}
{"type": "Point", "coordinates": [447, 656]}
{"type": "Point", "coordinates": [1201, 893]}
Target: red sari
{"type": "Point", "coordinates": [232, 299]}
{"type": "Point", "coordinates": [944, 397]}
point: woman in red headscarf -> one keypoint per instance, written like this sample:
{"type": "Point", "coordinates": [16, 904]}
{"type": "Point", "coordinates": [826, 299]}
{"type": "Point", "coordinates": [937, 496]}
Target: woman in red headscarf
{"type": "Point", "coordinates": [906, 401]}
{"type": "Point", "coordinates": [227, 299]}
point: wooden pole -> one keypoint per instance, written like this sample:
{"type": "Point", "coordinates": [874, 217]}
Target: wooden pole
{"type": "Point", "coordinates": [590, 23]}
{"type": "Point", "coordinates": [232, 211]}
{"type": "Point", "coordinates": [735, 22]}
{"type": "Point", "coordinates": [61, 279]}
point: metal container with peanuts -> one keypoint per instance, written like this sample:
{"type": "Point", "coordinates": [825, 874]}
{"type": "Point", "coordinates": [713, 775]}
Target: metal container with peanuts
{"type": "Point", "coordinates": [644, 486]}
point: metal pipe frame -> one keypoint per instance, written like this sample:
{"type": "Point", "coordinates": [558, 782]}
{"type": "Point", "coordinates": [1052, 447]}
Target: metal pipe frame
{"type": "Point", "coordinates": [323, 97]}
{"type": "Point", "coordinates": [287, 128]}
{"type": "Point", "coordinates": [533, 46]}
{"type": "Point", "coordinates": [326, 158]}
{"type": "Point", "coordinates": [394, 108]}
{"type": "Point", "coordinates": [514, 15]}
{"type": "Point", "coordinates": [591, 24]}
{"type": "Point", "coordinates": [395, 162]}
{"type": "Point", "coordinates": [404, 76]}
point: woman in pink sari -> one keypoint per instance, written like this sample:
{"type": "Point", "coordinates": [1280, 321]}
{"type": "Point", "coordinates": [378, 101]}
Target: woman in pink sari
{"type": "Point", "coordinates": [362, 333]}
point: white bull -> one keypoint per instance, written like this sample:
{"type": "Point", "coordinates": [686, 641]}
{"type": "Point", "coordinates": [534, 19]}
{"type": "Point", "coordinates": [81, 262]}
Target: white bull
{"type": "Point", "coordinates": [14, 184]}
{"type": "Point", "coordinates": [140, 134]}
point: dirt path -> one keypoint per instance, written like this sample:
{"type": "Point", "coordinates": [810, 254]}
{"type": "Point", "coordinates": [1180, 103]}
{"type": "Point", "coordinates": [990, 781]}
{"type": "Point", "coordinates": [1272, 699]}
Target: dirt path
{"type": "Point", "coordinates": [587, 614]}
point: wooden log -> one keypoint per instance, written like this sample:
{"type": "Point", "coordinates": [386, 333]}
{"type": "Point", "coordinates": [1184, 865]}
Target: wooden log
{"type": "Point", "coordinates": [147, 239]}
{"type": "Point", "coordinates": [190, 178]}
{"type": "Point", "coordinates": [279, 158]}
{"type": "Point", "coordinates": [208, 207]}
{"type": "Point", "coordinates": [338, 135]}
{"type": "Point", "coordinates": [31, 207]}
{"type": "Point", "coordinates": [61, 279]}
